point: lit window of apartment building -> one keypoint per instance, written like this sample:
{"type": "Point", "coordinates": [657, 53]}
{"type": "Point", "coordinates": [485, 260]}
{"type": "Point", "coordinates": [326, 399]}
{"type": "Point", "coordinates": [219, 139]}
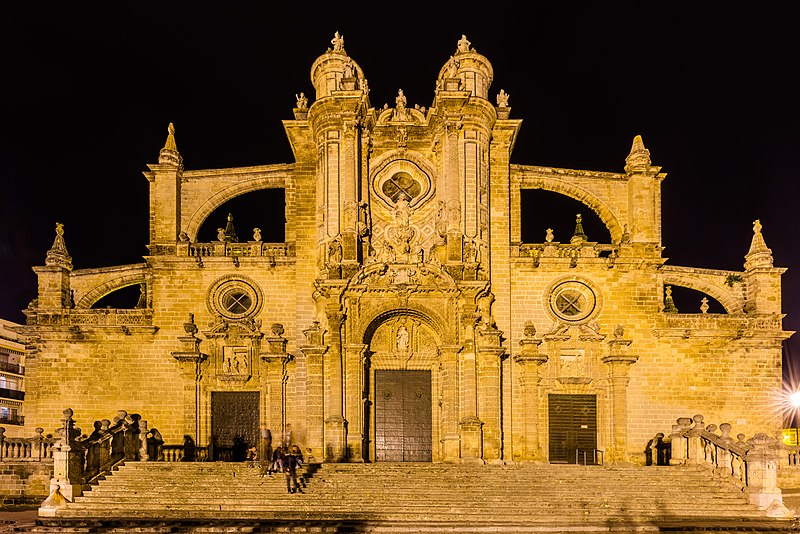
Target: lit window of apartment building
{"type": "Point", "coordinates": [12, 377]}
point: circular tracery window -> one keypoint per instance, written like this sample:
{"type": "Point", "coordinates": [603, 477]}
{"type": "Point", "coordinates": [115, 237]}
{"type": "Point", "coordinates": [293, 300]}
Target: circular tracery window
{"type": "Point", "coordinates": [572, 301]}
{"type": "Point", "coordinates": [401, 183]}
{"type": "Point", "coordinates": [235, 298]}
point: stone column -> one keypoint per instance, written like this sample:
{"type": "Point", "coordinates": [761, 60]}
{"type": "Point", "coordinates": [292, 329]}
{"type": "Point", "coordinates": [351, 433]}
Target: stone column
{"type": "Point", "coordinates": [273, 379]}
{"type": "Point", "coordinates": [190, 359]}
{"type": "Point", "coordinates": [455, 238]}
{"type": "Point", "coordinates": [530, 361]}
{"type": "Point", "coordinates": [335, 423]}
{"type": "Point", "coordinates": [355, 394]}
{"type": "Point", "coordinates": [314, 351]}
{"type": "Point", "coordinates": [489, 355]}
{"type": "Point", "coordinates": [619, 364]}
{"type": "Point", "coordinates": [448, 355]}
{"type": "Point", "coordinates": [471, 426]}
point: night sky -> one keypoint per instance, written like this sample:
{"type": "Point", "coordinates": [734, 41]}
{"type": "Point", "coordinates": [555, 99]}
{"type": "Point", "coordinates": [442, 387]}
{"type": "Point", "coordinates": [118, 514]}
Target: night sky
{"type": "Point", "coordinates": [88, 94]}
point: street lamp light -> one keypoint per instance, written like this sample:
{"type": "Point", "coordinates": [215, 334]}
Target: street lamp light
{"type": "Point", "coordinates": [794, 398]}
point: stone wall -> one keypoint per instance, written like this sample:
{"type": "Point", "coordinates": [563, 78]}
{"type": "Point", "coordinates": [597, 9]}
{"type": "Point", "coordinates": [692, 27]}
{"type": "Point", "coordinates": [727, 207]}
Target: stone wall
{"type": "Point", "coordinates": [25, 482]}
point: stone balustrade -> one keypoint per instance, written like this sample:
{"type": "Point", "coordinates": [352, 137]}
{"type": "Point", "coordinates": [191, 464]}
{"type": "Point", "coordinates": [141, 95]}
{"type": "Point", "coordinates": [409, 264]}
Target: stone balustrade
{"type": "Point", "coordinates": [80, 460]}
{"type": "Point", "coordinates": [38, 448]}
{"type": "Point", "coordinates": [750, 464]}
{"type": "Point", "coordinates": [224, 248]}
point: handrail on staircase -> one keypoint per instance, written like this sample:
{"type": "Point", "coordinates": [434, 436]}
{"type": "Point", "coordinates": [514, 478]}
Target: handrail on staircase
{"type": "Point", "coordinates": [80, 460]}
{"type": "Point", "coordinates": [752, 464]}
{"type": "Point", "coordinates": [596, 456]}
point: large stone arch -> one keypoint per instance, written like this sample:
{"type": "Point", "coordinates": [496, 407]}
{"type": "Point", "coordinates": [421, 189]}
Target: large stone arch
{"type": "Point", "coordinates": [209, 193]}
{"type": "Point", "coordinates": [729, 302]}
{"type": "Point", "coordinates": [369, 322]}
{"type": "Point", "coordinates": [92, 296]}
{"type": "Point", "coordinates": [586, 197]}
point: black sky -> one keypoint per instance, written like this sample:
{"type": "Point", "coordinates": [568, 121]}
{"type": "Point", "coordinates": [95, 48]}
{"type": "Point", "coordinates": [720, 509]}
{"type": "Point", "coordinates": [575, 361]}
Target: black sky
{"type": "Point", "coordinates": [88, 93]}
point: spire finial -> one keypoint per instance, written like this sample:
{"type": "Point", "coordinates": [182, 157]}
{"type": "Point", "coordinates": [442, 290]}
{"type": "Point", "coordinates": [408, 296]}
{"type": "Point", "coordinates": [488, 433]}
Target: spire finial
{"type": "Point", "coordinates": [669, 304]}
{"type": "Point", "coordinates": [230, 233]}
{"type": "Point", "coordinates": [578, 236]}
{"type": "Point", "coordinates": [759, 254]}
{"type": "Point", "coordinates": [639, 158]}
{"type": "Point", "coordinates": [169, 154]}
{"type": "Point", "coordinates": [58, 256]}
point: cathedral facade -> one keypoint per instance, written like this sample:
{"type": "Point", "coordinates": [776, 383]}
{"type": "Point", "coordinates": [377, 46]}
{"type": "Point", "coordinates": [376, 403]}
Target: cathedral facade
{"type": "Point", "coordinates": [403, 318]}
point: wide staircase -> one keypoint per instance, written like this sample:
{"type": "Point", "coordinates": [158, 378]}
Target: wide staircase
{"type": "Point", "coordinates": [409, 498]}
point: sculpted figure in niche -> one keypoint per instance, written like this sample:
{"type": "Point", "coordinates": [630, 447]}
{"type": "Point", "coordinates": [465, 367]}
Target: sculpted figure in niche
{"type": "Point", "coordinates": [451, 71]}
{"type": "Point", "coordinates": [335, 252]}
{"type": "Point", "coordinates": [402, 338]}
{"type": "Point", "coordinates": [402, 209]}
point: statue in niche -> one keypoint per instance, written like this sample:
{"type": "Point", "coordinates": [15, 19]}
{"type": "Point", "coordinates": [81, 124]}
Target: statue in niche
{"type": "Point", "coordinates": [402, 209]}
{"type": "Point", "coordinates": [302, 101]}
{"type": "Point", "coordinates": [385, 253]}
{"type": "Point", "coordinates": [451, 69]}
{"type": "Point", "coordinates": [463, 44]}
{"type": "Point", "coordinates": [502, 99]}
{"type": "Point", "coordinates": [348, 69]}
{"type": "Point", "coordinates": [402, 338]}
{"type": "Point", "coordinates": [485, 310]}
{"type": "Point", "coordinates": [240, 362]}
{"type": "Point", "coordinates": [335, 252]}
{"type": "Point", "coordinates": [471, 251]}
{"type": "Point", "coordinates": [337, 42]}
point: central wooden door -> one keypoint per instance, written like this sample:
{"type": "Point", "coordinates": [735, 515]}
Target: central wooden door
{"type": "Point", "coordinates": [403, 416]}
{"type": "Point", "coordinates": [573, 428]}
{"type": "Point", "coordinates": [234, 423]}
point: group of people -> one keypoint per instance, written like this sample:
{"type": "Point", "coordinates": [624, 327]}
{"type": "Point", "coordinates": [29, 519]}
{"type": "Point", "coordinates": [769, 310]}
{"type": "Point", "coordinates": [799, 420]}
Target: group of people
{"type": "Point", "coordinates": [284, 460]}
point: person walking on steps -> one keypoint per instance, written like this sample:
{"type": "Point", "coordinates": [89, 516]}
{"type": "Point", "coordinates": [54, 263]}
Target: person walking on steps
{"type": "Point", "coordinates": [289, 463]}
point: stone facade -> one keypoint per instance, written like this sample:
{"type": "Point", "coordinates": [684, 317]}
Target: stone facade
{"type": "Point", "coordinates": [403, 252]}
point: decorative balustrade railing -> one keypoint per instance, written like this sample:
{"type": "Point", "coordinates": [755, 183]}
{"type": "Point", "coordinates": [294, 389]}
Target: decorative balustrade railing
{"type": "Point", "coordinates": [222, 248]}
{"type": "Point", "coordinates": [80, 460]}
{"type": "Point", "coordinates": [564, 250]}
{"type": "Point", "coordinates": [179, 453]}
{"type": "Point", "coordinates": [752, 464]}
{"type": "Point", "coordinates": [39, 448]}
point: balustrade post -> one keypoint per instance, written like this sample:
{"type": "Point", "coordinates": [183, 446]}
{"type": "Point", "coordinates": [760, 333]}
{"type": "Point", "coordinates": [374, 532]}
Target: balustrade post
{"type": "Point", "coordinates": [695, 452]}
{"type": "Point", "coordinates": [678, 441]}
{"type": "Point", "coordinates": [724, 456]}
{"type": "Point", "coordinates": [762, 475]}
{"type": "Point", "coordinates": [105, 446]}
{"type": "Point", "coordinates": [68, 458]}
{"type": "Point", "coordinates": [142, 434]}
{"type": "Point", "coordinates": [38, 443]}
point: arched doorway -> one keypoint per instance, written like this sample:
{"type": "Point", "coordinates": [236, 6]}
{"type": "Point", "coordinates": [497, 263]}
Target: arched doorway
{"type": "Point", "coordinates": [403, 386]}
